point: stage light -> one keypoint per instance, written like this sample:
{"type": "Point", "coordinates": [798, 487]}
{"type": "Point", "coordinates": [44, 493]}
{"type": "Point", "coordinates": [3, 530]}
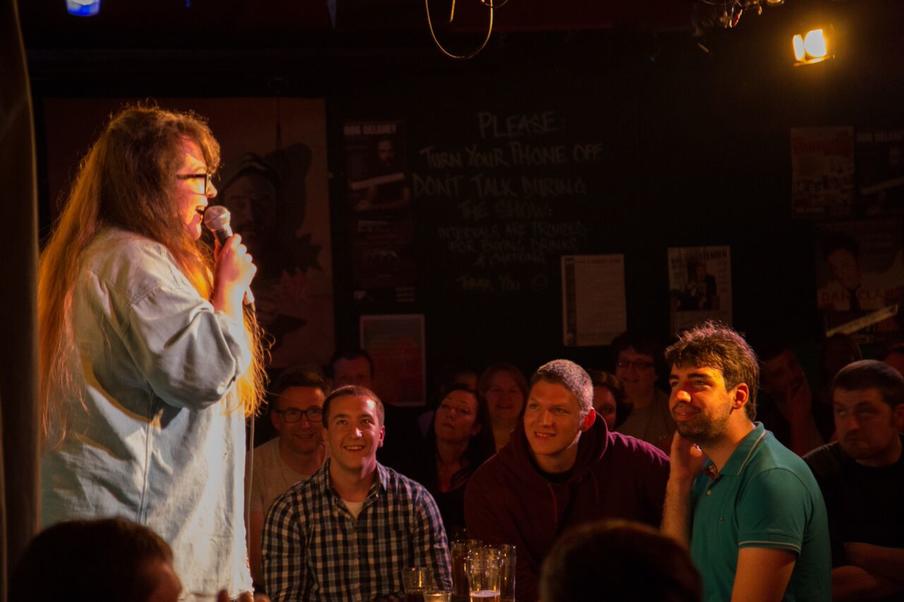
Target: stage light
{"type": "Point", "coordinates": [83, 8]}
{"type": "Point", "coordinates": [811, 47]}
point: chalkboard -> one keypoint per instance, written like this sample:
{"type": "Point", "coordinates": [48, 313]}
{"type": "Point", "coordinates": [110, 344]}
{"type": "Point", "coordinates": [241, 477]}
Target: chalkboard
{"type": "Point", "coordinates": [504, 193]}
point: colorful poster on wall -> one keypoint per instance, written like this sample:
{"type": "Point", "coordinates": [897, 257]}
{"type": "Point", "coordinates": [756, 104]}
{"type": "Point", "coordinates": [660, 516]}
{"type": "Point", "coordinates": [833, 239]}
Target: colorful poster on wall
{"type": "Point", "coordinates": [594, 310]}
{"type": "Point", "coordinates": [822, 172]}
{"type": "Point", "coordinates": [699, 285]}
{"type": "Point", "coordinates": [860, 278]}
{"type": "Point", "coordinates": [381, 222]}
{"type": "Point", "coordinates": [273, 179]}
{"type": "Point", "coordinates": [397, 346]}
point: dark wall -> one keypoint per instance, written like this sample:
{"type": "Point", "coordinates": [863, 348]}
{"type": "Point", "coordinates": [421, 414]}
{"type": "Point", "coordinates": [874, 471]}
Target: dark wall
{"type": "Point", "coordinates": [696, 153]}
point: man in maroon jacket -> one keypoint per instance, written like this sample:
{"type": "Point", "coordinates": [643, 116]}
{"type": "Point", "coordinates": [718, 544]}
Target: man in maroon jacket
{"type": "Point", "coordinates": [562, 468]}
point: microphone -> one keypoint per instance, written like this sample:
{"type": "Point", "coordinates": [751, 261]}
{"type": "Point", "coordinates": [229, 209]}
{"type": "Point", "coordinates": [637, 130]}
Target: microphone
{"type": "Point", "coordinates": [216, 219]}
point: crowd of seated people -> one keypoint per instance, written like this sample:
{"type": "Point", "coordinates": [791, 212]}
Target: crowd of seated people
{"type": "Point", "coordinates": [536, 462]}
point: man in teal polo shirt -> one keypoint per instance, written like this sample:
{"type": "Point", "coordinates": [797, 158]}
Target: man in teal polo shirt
{"type": "Point", "coordinates": [749, 507]}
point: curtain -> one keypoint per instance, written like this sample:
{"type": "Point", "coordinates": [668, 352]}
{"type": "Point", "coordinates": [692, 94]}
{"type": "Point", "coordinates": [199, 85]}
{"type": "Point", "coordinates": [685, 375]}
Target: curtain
{"type": "Point", "coordinates": [18, 315]}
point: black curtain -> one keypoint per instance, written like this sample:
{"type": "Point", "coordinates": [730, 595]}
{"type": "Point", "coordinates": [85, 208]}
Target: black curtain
{"type": "Point", "coordinates": [18, 315]}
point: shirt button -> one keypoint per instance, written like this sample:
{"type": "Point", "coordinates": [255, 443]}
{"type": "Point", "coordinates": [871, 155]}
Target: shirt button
{"type": "Point", "coordinates": [709, 492]}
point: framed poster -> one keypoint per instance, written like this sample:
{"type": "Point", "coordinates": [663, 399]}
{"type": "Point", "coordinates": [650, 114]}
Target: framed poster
{"type": "Point", "coordinates": [700, 285]}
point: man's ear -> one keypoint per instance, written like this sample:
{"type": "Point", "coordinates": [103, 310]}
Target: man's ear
{"type": "Point", "coordinates": [741, 396]}
{"type": "Point", "coordinates": [274, 420]}
{"type": "Point", "coordinates": [588, 420]}
{"type": "Point", "coordinates": [382, 435]}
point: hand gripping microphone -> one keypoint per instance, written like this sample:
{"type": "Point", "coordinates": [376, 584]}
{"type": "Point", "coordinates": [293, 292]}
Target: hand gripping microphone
{"type": "Point", "coordinates": [216, 219]}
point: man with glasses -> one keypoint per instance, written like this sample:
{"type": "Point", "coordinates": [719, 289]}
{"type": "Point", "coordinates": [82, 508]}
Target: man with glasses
{"type": "Point", "coordinates": [294, 455]}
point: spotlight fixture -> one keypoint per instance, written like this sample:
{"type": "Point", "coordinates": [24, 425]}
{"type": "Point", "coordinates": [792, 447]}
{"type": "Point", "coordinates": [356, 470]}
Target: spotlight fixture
{"type": "Point", "coordinates": [811, 47]}
{"type": "Point", "coordinates": [83, 8]}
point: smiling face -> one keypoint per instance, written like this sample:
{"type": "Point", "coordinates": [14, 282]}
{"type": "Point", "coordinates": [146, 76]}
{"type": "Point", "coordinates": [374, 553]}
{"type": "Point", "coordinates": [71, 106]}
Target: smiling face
{"type": "Point", "coordinates": [701, 405]}
{"type": "Point", "coordinates": [305, 435]}
{"type": "Point", "coordinates": [455, 420]}
{"type": "Point", "coordinates": [354, 433]}
{"type": "Point", "coordinates": [553, 425]}
{"type": "Point", "coordinates": [867, 426]}
{"type": "Point", "coordinates": [504, 398]}
{"type": "Point", "coordinates": [190, 197]}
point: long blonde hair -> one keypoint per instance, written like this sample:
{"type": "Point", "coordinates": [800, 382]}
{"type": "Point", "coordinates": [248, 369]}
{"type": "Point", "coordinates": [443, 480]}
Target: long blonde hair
{"type": "Point", "coordinates": [126, 180]}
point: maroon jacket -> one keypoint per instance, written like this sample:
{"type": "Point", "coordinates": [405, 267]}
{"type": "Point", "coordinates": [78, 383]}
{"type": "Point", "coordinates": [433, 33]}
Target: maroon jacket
{"type": "Point", "coordinates": [508, 500]}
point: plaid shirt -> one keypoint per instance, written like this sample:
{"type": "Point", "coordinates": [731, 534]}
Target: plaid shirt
{"type": "Point", "coordinates": [314, 549]}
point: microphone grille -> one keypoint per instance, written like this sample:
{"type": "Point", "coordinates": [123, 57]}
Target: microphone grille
{"type": "Point", "coordinates": [216, 217]}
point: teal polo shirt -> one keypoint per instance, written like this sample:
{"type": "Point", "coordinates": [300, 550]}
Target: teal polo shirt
{"type": "Point", "coordinates": [765, 497]}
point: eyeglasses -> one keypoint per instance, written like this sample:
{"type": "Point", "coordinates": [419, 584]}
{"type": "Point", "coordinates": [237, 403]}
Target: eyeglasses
{"type": "Point", "coordinates": [208, 179]}
{"type": "Point", "coordinates": [294, 414]}
{"type": "Point", "coordinates": [636, 364]}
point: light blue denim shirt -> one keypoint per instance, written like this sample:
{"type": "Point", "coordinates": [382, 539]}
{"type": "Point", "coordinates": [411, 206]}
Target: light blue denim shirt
{"type": "Point", "coordinates": [159, 434]}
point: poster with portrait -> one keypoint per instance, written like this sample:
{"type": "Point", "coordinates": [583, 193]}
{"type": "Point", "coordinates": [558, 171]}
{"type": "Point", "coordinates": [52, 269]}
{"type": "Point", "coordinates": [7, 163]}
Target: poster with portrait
{"type": "Point", "coordinates": [272, 178]}
{"type": "Point", "coordinates": [822, 172]}
{"type": "Point", "coordinates": [699, 285]}
{"type": "Point", "coordinates": [860, 278]}
{"type": "Point", "coordinates": [380, 215]}
{"type": "Point", "coordinates": [398, 349]}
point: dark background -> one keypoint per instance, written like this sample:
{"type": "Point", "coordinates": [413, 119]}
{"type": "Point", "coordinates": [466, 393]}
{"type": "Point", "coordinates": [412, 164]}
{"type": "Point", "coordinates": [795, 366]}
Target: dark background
{"type": "Point", "coordinates": [696, 132]}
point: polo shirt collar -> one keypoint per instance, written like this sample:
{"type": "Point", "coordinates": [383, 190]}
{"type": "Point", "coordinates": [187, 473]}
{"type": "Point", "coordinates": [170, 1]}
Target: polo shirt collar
{"type": "Point", "coordinates": [743, 452]}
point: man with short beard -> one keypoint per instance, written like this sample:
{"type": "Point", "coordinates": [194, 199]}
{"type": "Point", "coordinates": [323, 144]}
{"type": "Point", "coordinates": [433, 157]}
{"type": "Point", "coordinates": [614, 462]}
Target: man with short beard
{"type": "Point", "coordinates": [862, 479]}
{"type": "Point", "coordinates": [749, 508]}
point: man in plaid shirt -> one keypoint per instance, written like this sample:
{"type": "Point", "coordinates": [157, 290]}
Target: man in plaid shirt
{"type": "Point", "coordinates": [350, 531]}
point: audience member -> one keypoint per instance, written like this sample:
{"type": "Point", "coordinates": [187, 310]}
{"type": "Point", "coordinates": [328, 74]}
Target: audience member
{"type": "Point", "coordinates": [636, 361]}
{"type": "Point", "coordinates": [618, 561]}
{"type": "Point", "coordinates": [504, 388]}
{"type": "Point", "coordinates": [609, 398]}
{"type": "Point", "coordinates": [750, 509]}
{"type": "Point", "coordinates": [788, 407]}
{"type": "Point", "coordinates": [349, 531]}
{"type": "Point", "coordinates": [101, 559]}
{"type": "Point", "coordinates": [295, 454]}
{"type": "Point", "coordinates": [562, 468]}
{"type": "Point", "coordinates": [452, 375]}
{"type": "Point", "coordinates": [457, 442]}
{"type": "Point", "coordinates": [862, 480]}
{"type": "Point", "coordinates": [352, 367]}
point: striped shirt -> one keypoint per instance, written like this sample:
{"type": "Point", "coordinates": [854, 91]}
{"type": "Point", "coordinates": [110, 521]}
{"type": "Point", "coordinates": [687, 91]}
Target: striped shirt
{"type": "Point", "coordinates": [314, 549]}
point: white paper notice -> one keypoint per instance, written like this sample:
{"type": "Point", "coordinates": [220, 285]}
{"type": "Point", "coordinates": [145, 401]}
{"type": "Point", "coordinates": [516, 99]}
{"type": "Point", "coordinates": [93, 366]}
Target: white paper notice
{"type": "Point", "coordinates": [593, 299]}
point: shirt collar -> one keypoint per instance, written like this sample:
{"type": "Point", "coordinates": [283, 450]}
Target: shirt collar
{"type": "Point", "coordinates": [378, 486]}
{"type": "Point", "coordinates": [742, 453]}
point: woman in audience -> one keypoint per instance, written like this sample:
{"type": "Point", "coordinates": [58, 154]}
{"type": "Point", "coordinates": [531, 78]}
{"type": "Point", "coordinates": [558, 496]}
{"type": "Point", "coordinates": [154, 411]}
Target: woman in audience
{"type": "Point", "coordinates": [609, 398]}
{"type": "Point", "coordinates": [457, 442]}
{"type": "Point", "coordinates": [504, 389]}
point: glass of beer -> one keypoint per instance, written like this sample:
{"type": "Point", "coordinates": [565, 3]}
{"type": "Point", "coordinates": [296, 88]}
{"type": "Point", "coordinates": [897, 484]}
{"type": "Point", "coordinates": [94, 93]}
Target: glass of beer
{"type": "Point", "coordinates": [416, 580]}
{"type": "Point", "coordinates": [484, 572]}
{"type": "Point", "coordinates": [506, 572]}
